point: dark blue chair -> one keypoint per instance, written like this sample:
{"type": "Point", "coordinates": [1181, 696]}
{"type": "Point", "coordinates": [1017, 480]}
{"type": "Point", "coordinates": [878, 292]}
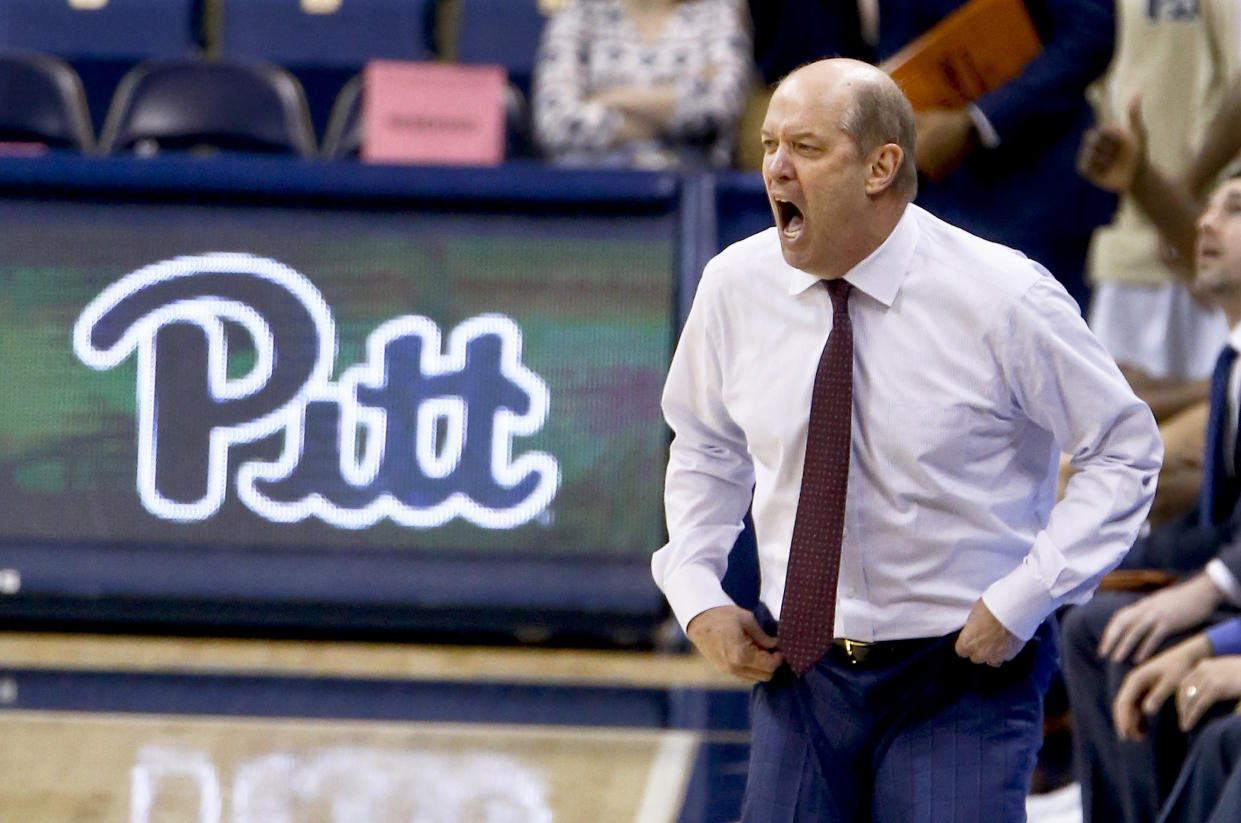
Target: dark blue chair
{"type": "Point", "coordinates": [181, 105]}
{"type": "Point", "coordinates": [323, 50]}
{"type": "Point", "coordinates": [102, 41]}
{"type": "Point", "coordinates": [343, 137]}
{"type": "Point", "coordinates": [42, 101]}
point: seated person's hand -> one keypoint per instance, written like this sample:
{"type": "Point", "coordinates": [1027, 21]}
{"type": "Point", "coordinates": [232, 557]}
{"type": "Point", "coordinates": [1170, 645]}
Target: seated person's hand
{"type": "Point", "coordinates": [655, 103]}
{"type": "Point", "coordinates": [1139, 628]}
{"type": "Point", "coordinates": [634, 129]}
{"type": "Point", "coordinates": [1145, 689]}
{"type": "Point", "coordinates": [1111, 155]}
{"type": "Point", "coordinates": [1212, 680]}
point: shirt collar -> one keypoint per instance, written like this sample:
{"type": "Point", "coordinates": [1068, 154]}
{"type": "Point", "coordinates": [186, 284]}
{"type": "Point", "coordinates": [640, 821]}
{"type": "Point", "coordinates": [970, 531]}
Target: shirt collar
{"type": "Point", "coordinates": [879, 275]}
{"type": "Point", "coordinates": [1234, 337]}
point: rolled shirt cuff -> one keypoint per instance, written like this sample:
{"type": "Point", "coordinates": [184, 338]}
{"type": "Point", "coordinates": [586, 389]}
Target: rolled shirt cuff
{"type": "Point", "coordinates": [1019, 601]}
{"type": "Point", "coordinates": [693, 589]}
{"type": "Point", "coordinates": [1225, 581]}
{"type": "Point", "coordinates": [1225, 638]}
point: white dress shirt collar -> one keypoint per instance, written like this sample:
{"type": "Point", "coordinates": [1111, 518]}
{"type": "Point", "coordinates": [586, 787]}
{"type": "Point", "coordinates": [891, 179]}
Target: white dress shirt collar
{"type": "Point", "coordinates": [881, 273]}
{"type": "Point", "coordinates": [1234, 337]}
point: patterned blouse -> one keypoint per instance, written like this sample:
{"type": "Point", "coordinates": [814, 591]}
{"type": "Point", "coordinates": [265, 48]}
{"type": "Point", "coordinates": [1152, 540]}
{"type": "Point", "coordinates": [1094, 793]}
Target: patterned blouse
{"type": "Point", "coordinates": [592, 45]}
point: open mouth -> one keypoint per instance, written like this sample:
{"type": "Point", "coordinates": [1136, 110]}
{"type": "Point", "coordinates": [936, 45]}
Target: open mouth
{"type": "Point", "coordinates": [790, 219]}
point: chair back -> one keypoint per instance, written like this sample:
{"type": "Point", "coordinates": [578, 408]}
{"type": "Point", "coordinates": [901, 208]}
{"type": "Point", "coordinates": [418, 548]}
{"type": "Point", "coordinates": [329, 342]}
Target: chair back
{"type": "Point", "coordinates": [232, 106]}
{"type": "Point", "coordinates": [343, 138]}
{"type": "Point", "coordinates": [42, 101]}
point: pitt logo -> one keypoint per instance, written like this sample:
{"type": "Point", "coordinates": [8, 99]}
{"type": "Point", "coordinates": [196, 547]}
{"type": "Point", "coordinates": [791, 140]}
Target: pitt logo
{"type": "Point", "coordinates": [418, 433]}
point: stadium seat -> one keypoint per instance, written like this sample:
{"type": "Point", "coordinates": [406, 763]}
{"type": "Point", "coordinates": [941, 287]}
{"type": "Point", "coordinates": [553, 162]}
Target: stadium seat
{"type": "Point", "coordinates": [343, 138]}
{"type": "Point", "coordinates": [232, 106]}
{"type": "Point", "coordinates": [41, 101]}
{"type": "Point", "coordinates": [505, 32]}
{"type": "Point", "coordinates": [101, 40]}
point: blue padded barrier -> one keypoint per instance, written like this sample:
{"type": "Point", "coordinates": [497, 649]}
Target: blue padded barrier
{"type": "Point", "coordinates": [263, 179]}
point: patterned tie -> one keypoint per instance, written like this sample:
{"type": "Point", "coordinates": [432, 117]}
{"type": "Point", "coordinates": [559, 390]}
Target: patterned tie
{"type": "Point", "coordinates": [808, 614]}
{"type": "Point", "coordinates": [1217, 495]}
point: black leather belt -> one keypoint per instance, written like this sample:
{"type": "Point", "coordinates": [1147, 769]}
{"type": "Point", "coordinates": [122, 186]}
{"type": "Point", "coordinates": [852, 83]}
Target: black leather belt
{"type": "Point", "coordinates": [879, 653]}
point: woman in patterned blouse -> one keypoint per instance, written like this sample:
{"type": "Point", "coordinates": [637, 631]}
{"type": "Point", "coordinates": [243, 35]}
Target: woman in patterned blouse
{"type": "Point", "coordinates": [642, 83]}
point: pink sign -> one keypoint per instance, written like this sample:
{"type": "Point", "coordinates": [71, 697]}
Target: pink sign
{"type": "Point", "coordinates": [433, 113]}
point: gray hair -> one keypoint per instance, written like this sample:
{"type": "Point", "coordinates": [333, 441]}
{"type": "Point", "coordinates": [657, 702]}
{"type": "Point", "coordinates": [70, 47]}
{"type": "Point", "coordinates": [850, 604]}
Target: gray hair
{"type": "Point", "coordinates": [880, 113]}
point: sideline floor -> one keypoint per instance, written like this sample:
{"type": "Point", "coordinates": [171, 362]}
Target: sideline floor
{"type": "Point", "coordinates": [138, 730]}
{"type": "Point", "coordinates": [123, 729]}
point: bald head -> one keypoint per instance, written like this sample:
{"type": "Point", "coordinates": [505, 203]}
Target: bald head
{"type": "Point", "coordinates": [875, 110]}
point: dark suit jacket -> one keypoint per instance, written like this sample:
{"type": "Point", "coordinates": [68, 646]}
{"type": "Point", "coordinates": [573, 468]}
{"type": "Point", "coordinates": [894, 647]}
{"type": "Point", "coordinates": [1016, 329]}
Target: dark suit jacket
{"type": "Point", "coordinates": [1183, 545]}
{"type": "Point", "coordinates": [1026, 192]}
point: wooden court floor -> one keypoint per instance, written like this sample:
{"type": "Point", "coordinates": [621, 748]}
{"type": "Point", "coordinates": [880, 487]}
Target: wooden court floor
{"type": "Point", "coordinates": [142, 729]}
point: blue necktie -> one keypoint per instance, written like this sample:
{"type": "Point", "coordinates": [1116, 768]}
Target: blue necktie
{"type": "Point", "coordinates": [1215, 501]}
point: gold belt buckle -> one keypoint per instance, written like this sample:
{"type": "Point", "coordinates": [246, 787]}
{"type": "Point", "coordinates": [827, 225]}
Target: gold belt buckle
{"type": "Point", "coordinates": [856, 650]}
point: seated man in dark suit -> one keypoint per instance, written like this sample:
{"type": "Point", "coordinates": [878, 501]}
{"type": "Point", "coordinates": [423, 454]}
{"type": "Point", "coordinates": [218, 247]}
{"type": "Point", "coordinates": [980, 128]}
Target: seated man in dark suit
{"type": "Point", "coordinates": [1204, 674]}
{"type": "Point", "coordinates": [1126, 779]}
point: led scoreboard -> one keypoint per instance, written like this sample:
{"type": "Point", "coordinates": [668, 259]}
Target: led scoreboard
{"type": "Point", "coordinates": [207, 383]}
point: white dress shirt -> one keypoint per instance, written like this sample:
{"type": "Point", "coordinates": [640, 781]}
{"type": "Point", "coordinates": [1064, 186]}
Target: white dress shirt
{"type": "Point", "coordinates": [972, 370]}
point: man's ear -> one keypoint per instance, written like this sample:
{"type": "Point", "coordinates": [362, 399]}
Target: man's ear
{"type": "Point", "coordinates": [883, 165]}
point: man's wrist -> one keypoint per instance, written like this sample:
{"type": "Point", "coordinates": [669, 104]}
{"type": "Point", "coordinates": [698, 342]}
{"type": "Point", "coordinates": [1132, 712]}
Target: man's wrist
{"type": "Point", "coordinates": [1019, 601]}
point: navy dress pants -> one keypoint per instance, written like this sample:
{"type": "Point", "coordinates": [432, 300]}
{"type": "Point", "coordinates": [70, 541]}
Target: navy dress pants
{"type": "Point", "coordinates": [925, 738]}
{"type": "Point", "coordinates": [1209, 787]}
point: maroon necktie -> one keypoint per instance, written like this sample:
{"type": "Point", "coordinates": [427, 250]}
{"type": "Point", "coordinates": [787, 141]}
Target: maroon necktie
{"type": "Point", "coordinates": [808, 614]}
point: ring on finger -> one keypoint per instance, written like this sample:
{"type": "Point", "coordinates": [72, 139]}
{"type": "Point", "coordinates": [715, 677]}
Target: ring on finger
{"type": "Point", "coordinates": [1191, 692]}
